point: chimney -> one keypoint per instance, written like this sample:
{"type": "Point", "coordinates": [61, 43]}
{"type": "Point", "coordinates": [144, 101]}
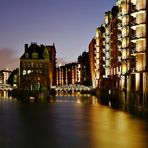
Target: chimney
{"type": "Point", "coordinates": [26, 47]}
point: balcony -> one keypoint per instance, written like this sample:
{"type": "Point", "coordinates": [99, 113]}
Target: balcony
{"type": "Point", "coordinates": [135, 24]}
{"type": "Point", "coordinates": [139, 37]}
{"type": "Point", "coordinates": [140, 69]}
{"type": "Point", "coordinates": [140, 51]}
{"type": "Point", "coordinates": [133, 9]}
{"type": "Point", "coordinates": [134, 14]}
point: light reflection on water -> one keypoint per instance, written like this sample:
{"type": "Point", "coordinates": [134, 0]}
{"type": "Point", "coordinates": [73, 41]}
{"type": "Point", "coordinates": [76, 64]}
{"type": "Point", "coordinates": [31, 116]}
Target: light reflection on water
{"type": "Point", "coordinates": [69, 122]}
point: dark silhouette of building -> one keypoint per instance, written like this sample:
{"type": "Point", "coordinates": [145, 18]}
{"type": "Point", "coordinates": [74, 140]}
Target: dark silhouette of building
{"type": "Point", "coordinates": [83, 60]}
{"type": "Point", "coordinates": [52, 55]}
{"type": "Point", "coordinates": [92, 52]}
{"type": "Point", "coordinates": [37, 69]}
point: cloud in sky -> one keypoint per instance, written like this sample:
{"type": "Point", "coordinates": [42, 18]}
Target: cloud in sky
{"type": "Point", "coordinates": [8, 59]}
{"type": "Point", "coordinates": [70, 24]}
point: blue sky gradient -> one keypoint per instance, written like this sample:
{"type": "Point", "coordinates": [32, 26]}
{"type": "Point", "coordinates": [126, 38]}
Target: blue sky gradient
{"type": "Point", "coordinates": [70, 24]}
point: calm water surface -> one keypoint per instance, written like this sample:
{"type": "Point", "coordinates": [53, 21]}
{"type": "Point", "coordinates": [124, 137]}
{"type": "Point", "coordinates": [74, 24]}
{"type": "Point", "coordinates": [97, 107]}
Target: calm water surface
{"type": "Point", "coordinates": [69, 122]}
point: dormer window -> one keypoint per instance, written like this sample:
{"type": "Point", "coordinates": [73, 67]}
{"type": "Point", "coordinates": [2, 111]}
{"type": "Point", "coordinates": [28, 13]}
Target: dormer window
{"type": "Point", "coordinates": [46, 53]}
{"type": "Point", "coordinates": [27, 55]}
{"type": "Point", "coordinates": [34, 55]}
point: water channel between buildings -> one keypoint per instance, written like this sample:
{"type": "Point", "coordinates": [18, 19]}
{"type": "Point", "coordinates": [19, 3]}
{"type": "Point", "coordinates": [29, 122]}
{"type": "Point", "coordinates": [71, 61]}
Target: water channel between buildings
{"type": "Point", "coordinates": [70, 122]}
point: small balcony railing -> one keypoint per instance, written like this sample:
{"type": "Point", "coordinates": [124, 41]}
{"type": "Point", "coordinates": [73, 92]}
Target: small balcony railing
{"type": "Point", "coordinates": [133, 9]}
{"type": "Point", "coordinates": [139, 36]}
{"type": "Point", "coordinates": [141, 7]}
{"type": "Point", "coordinates": [119, 37]}
{"type": "Point", "coordinates": [140, 69]}
{"type": "Point", "coordinates": [119, 25]}
{"type": "Point", "coordinates": [140, 51]}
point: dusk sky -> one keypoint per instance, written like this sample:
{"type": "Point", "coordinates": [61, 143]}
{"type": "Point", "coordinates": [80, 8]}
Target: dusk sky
{"type": "Point", "coordinates": [70, 24]}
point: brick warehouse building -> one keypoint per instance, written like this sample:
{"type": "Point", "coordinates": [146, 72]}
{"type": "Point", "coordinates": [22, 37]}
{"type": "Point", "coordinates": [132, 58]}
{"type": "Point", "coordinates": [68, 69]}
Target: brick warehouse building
{"type": "Point", "coordinates": [68, 74]}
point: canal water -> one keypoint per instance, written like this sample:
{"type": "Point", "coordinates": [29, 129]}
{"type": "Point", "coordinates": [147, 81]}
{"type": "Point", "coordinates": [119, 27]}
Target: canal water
{"type": "Point", "coordinates": [69, 122]}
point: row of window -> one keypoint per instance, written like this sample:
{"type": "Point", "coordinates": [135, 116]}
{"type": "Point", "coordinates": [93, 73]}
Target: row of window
{"type": "Point", "coordinates": [32, 64]}
{"type": "Point", "coordinates": [30, 71]}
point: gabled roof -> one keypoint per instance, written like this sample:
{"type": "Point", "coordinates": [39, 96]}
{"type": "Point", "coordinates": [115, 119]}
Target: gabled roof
{"type": "Point", "coordinates": [35, 49]}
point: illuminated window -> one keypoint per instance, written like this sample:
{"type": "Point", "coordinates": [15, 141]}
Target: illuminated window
{"type": "Point", "coordinates": [107, 72]}
{"type": "Point", "coordinates": [123, 68]}
{"type": "Point", "coordinates": [125, 42]}
{"type": "Point", "coordinates": [107, 39]}
{"type": "Point", "coordinates": [125, 8]}
{"type": "Point", "coordinates": [107, 55]}
{"type": "Point", "coordinates": [97, 49]}
{"type": "Point", "coordinates": [141, 18]}
{"type": "Point", "coordinates": [26, 55]}
{"type": "Point", "coordinates": [107, 47]}
{"type": "Point", "coordinates": [97, 41]}
{"type": "Point", "coordinates": [140, 62]}
{"type": "Point", "coordinates": [140, 31]}
{"type": "Point", "coordinates": [34, 55]}
{"type": "Point", "coordinates": [97, 62]}
{"type": "Point", "coordinates": [97, 32]}
{"type": "Point", "coordinates": [125, 31]}
{"type": "Point", "coordinates": [107, 62]}
{"type": "Point", "coordinates": [24, 72]}
{"type": "Point", "coordinates": [97, 55]}
{"type": "Point", "coordinates": [107, 30]}
{"type": "Point", "coordinates": [29, 71]}
{"type": "Point", "coordinates": [140, 45]}
{"type": "Point", "coordinates": [106, 19]}
{"type": "Point", "coordinates": [124, 54]}
{"type": "Point", "coordinates": [125, 20]}
{"type": "Point", "coordinates": [112, 71]}
{"type": "Point", "coordinates": [140, 4]}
